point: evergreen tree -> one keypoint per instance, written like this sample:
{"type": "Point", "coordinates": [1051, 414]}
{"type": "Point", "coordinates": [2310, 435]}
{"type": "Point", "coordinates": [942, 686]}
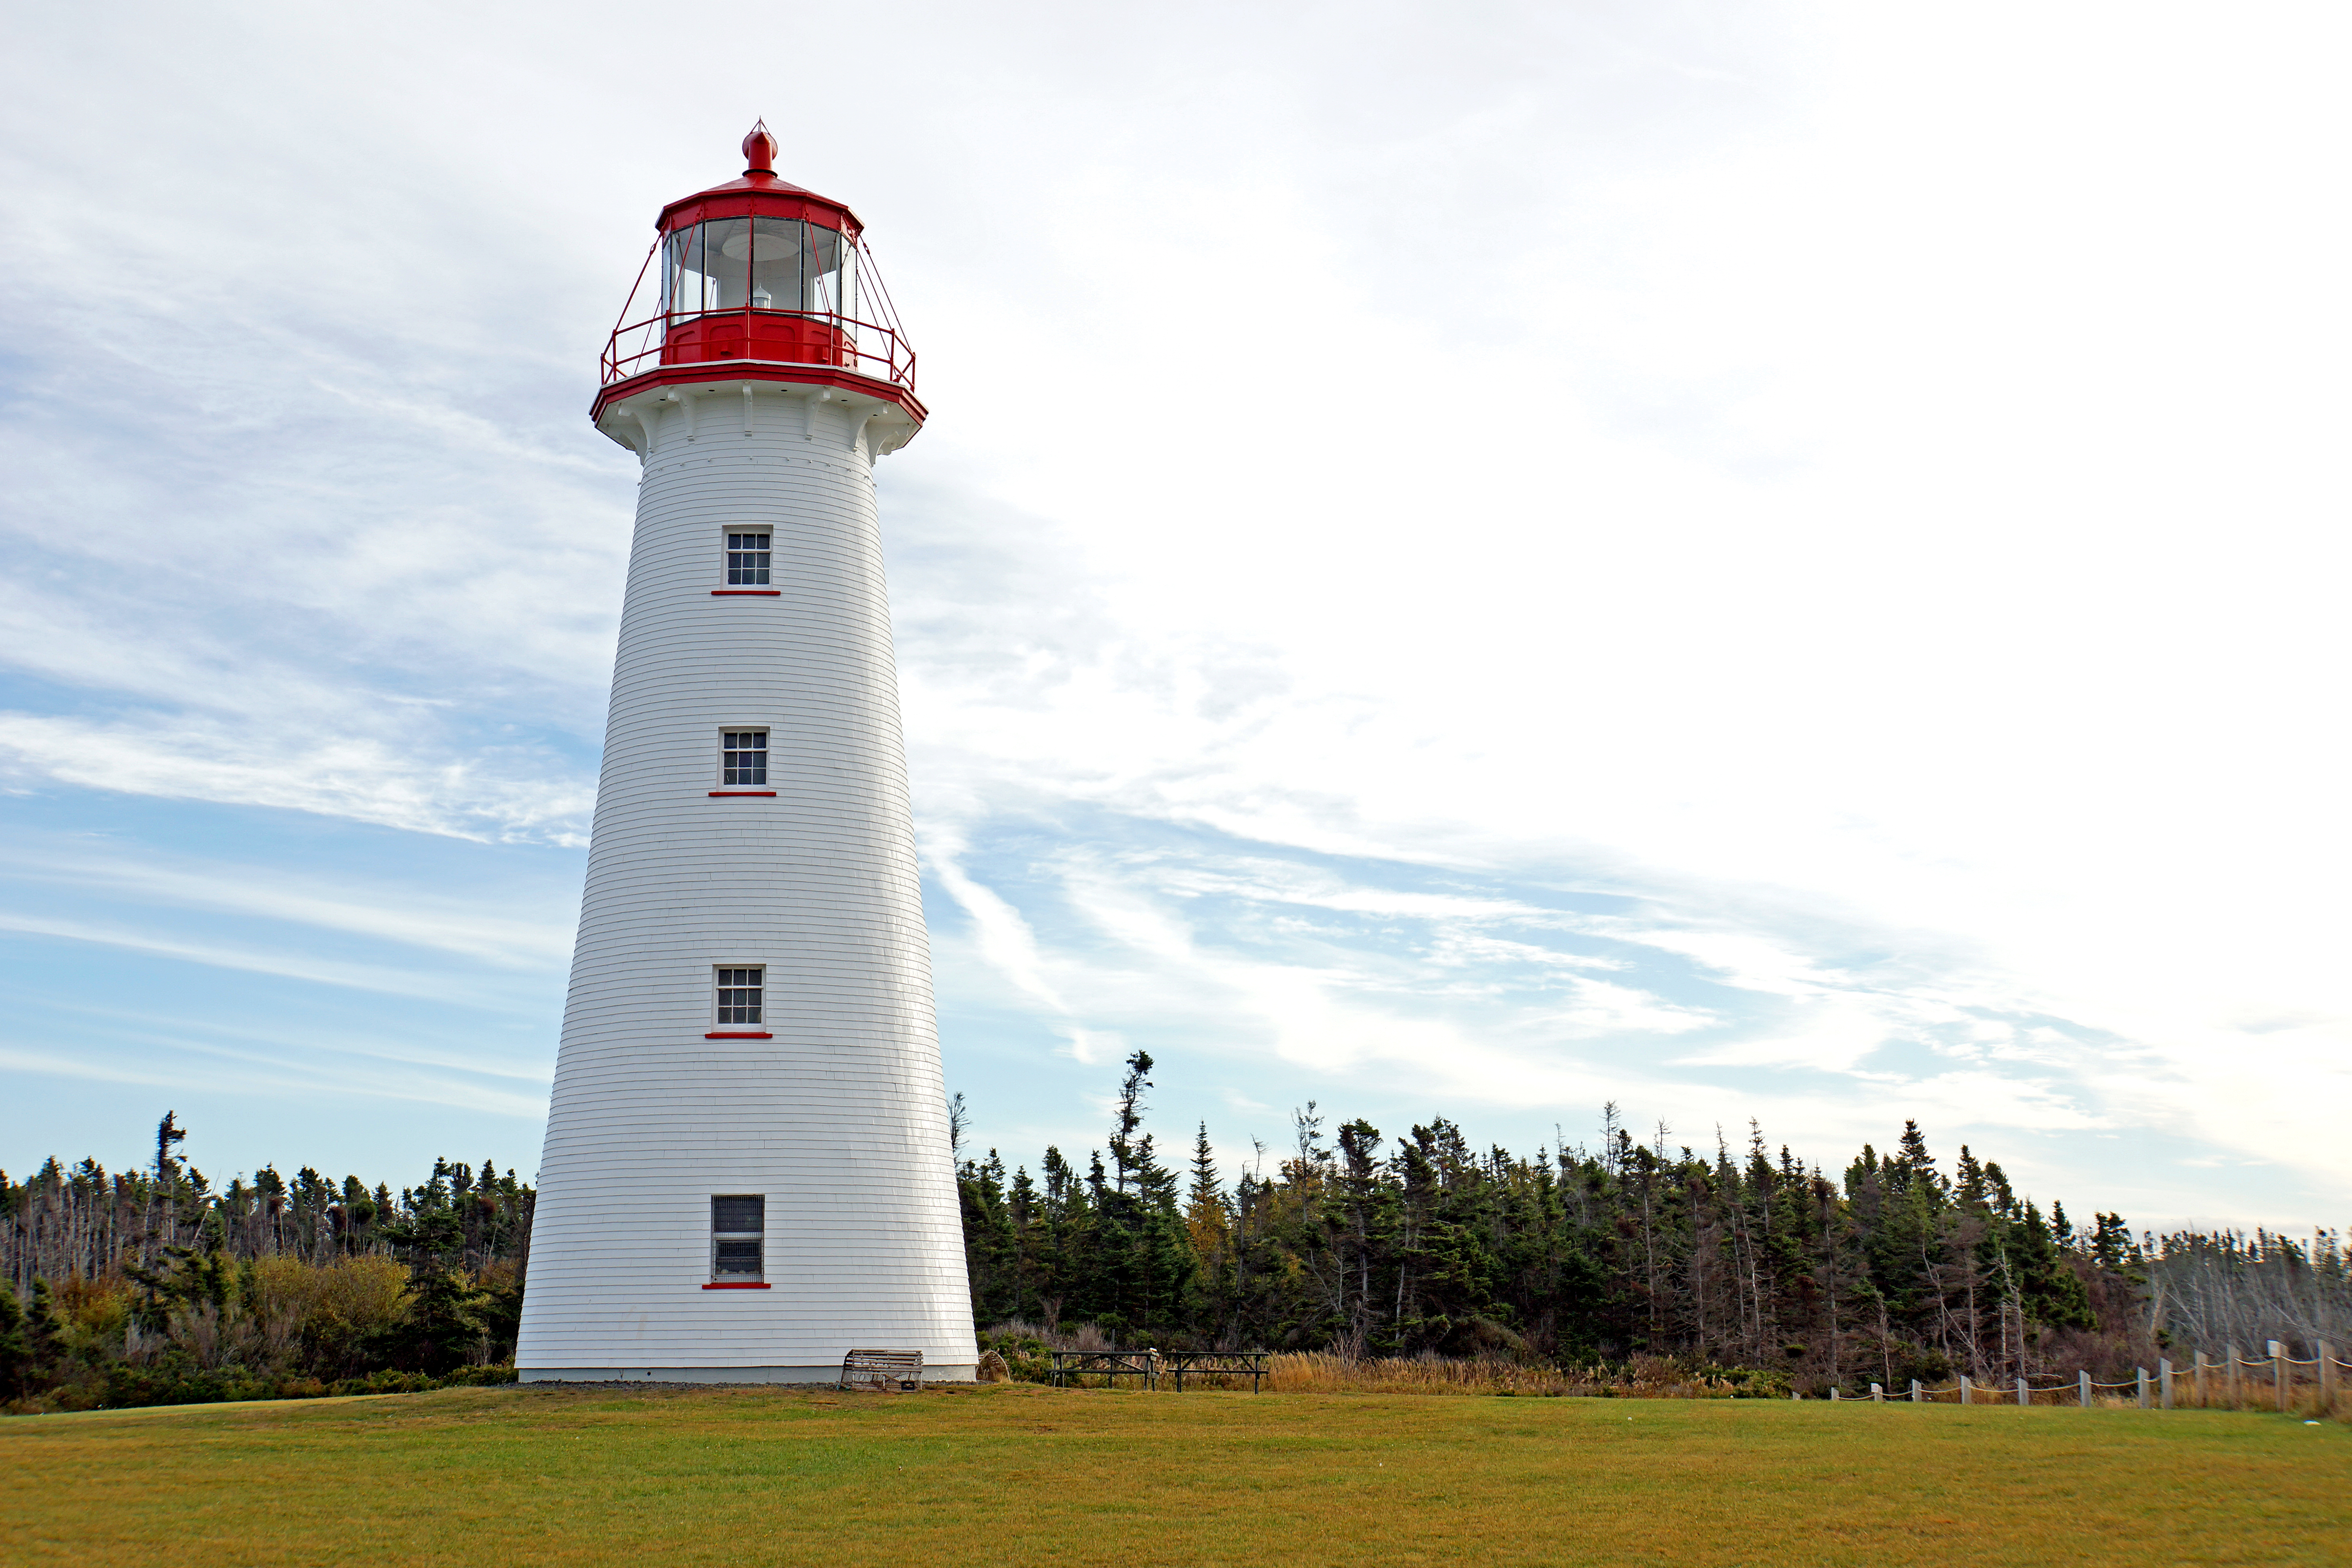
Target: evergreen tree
{"type": "Point", "coordinates": [447, 1325]}
{"type": "Point", "coordinates": [16, 1362]}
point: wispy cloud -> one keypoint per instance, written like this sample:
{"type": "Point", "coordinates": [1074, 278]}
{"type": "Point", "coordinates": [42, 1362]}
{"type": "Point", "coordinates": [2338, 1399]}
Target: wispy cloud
{"type": "Point", "coordinates": [291, 964]}
{"type": "Point", "coordinates": [1006, 938]}
{"type": "Point", "coordinates": [288, 1077]}
{"type": "Point", "coordinates": [294, 767]}
{"type": "Point", "coordinates": [454, 925]}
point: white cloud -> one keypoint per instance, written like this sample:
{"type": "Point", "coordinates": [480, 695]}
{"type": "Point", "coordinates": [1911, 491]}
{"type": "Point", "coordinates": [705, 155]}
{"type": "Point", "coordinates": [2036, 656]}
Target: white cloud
{"type": "Point", "coordinates": [1836, 1034]}
{"type": "Point", "coordinates": [1602, 1009]}
{"type": "Point", "coordinates": [1846, 487]}
{"type": "Point", "coordinates": [288, 1077]}
{"type": "Point", "coordinates": [450, 924]}
{"type": "Point", "coordinates": [1005, 940]}
{"type": "Point", "coordinates": [292, 965]}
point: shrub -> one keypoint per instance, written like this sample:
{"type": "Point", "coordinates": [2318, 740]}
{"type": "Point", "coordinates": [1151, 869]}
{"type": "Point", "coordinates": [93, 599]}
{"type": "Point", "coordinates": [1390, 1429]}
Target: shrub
{"type": "Point", "coordinates": [1024, 1348]}
{"type": "Point", "coordinates": [478, 1377]}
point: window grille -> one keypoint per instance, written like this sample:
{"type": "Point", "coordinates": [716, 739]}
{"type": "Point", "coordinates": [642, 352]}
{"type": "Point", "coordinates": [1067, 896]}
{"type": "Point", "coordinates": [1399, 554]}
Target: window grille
{"type": "Point", "coordinates": [747, 560]}
{"type": "Point", "coordinates": [738, 995]}
{"type": "Point", "coordinates": [737, 1222]}
{"type": "Point", "coordinates": [743, 756]}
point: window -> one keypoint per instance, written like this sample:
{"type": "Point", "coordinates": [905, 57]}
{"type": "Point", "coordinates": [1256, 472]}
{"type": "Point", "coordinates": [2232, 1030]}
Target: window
{"type": "Point", "coordinates": [768, 263]}
{"type": "Point", "coordinates": [747, 560]}
{"type": "Point", "coordinates": [736, 1225]}
{"type": "Point", "coordinates": [742, 757]}
{"type": "Point", "coordinates": [738, 995]}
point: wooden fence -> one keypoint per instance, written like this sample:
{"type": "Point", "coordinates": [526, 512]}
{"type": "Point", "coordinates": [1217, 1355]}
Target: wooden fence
{"type": "Point", "coordinates": [1071, 1368]}
{"type": "Point", "coordinates": [2272, 1381]}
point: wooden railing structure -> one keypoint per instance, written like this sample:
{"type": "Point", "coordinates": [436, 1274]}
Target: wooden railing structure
{"type": "Point", "coordinates": [2233, 1383]}
{"type": "Point", "coordinates": [1110, 1365]}
{"type": "Point", "coordinates": [1146, 1366]}
{"type": "Point", "coordinates": [1196, 1364]}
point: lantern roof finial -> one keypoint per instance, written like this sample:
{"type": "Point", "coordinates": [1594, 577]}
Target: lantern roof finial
{"type": "Point", "coordinates": [760, 150]}
{"type": "Point", "coordinates": [759, 189]}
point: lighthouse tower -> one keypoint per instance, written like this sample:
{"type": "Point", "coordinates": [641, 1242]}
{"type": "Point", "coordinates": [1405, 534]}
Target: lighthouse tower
{"type": "Point", "coordinates": [747, 1172]}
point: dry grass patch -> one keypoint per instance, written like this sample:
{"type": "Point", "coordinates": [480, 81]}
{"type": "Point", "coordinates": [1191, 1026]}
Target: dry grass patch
{"type": "Point", "coordinates": [1022, 1475]}
{"type": "Point", "coordinates": [1645, 1378]}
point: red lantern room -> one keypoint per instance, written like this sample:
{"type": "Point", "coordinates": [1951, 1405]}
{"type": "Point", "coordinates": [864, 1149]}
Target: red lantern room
{"type": "Point", "coordinates": [759, 280]}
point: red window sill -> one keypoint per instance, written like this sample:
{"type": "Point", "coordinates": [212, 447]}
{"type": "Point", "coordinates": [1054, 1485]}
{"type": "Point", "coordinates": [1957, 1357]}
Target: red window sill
{"type": "Point", "coordinates": [739, 1035]}
{"type": "Point", "coordinates": [745, 592]}
{"type": "Point", "coordinates": [734, 1287]}
{"type": "Point", "coordinates": [733, 793]}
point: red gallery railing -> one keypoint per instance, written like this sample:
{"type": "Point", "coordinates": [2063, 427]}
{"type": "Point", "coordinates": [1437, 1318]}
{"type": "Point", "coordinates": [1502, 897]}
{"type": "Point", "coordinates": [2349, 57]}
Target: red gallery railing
{"type": "Point", "coordinates": [748, 334]}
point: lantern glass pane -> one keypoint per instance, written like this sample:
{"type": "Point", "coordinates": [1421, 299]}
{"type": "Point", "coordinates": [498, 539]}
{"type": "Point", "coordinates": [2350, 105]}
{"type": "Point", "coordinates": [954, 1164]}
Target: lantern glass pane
{"type": "Point", "coordinates": [772, 264]}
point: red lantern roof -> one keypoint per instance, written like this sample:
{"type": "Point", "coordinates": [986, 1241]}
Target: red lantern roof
{"type": "Point", "coordinates": [759, 192]}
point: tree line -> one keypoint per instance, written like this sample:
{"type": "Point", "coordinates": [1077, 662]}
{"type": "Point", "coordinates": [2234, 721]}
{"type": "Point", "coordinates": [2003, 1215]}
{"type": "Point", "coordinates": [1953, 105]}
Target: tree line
{"type": "Point", "coordinates": [1890, 1268]}
{"type": "Point", "coordinates": [153, 1286]}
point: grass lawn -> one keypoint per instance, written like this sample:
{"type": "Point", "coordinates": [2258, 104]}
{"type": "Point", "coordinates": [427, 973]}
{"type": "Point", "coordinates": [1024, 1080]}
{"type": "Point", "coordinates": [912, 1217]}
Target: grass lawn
{"type": "Point", "coordinates": [1020, 1474]}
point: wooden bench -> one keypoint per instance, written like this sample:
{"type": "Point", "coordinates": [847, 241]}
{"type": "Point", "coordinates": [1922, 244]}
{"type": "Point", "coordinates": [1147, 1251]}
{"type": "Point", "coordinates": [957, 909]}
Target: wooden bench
{"type": "Point", "coordinates": [867, 1368]}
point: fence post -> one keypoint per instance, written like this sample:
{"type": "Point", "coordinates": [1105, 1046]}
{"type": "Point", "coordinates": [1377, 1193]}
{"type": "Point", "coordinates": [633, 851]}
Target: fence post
{"type": "Point", "coordinates": [2082, 1389]}
{"type": "Point", "coordinates": [1915, 1391]}
{"type": "Point", "coordinates": [1964, 1388]}
{"type": "Point", "coordinates": [2143, 1387]}
{"type": "Point", "coordinates": [2164, 1380]}
{"type": "Point", "coordinates": [2280, 1373]}
{"type": "Point", "coordinates": [2201, 1403]}
{"type": "Point", "coordinates": [2235, 1402]}
{"type": "Point", "coordinates": [2023, 1397]}
{"type": "Point", "coordinates": [2327, 1379]}
{"type": "Point", "coordinates": [1877, 1395]}
{"type": "Point", "coordinates": [1833, 1393]}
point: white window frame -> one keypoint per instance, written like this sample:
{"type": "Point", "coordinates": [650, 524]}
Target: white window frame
{"type": "Point", "coordinates": [762, 748]}
{"type": "Point", "coordinates": [725, 549]}
{"type": "Point", "coordinates": [717, 1011]}
{"type": "Point", "coordinates": [759, 1237]}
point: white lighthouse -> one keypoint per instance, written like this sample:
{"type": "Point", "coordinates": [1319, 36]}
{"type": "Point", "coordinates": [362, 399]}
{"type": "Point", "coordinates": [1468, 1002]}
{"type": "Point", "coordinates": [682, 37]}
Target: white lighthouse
{"type": "Point", "coordinates": [747, 1172]}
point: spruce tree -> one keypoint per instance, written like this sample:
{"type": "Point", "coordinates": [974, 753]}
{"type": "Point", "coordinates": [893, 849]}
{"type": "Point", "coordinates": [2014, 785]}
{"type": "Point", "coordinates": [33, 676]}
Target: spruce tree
{"type": "Point", "coordinates": [15, 1346]}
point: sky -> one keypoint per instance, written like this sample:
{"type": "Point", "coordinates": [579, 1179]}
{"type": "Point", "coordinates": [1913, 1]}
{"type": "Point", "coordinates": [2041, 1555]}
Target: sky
{"type": "Point", "coordinates": [1779, 565]}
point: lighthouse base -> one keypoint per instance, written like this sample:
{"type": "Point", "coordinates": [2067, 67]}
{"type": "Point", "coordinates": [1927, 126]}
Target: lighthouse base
{"type": "Point", "coordinates": [802, 1376]}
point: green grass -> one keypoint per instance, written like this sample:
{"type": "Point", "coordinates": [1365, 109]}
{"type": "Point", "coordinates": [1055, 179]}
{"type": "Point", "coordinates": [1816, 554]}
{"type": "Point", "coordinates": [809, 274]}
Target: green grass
{"type": "Point", "coordinates": [1023, 1474]}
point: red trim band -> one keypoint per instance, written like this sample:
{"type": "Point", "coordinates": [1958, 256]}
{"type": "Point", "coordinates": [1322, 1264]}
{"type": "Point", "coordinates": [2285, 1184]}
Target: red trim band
{"type": "Point", "coordinates": [745, 592]}
{"type": "Point", "coordinates": [737, 794]}
{"type": "Point", "coordinates": [765, 372]}
{"type": "Point", "coordinates": [734, 1287]}
{"type": "Point", "coordinates": [730, 1035]}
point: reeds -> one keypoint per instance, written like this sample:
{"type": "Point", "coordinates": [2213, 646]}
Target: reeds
{"type": "Point", "coordinates": [1024, 1347]}
{"type": "Point", "coordinates": [1646, 1377]}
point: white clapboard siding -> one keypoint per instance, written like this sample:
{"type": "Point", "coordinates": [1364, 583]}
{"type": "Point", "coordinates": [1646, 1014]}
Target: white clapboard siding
{"type": "Point", "coordinates": [841, 1118]}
